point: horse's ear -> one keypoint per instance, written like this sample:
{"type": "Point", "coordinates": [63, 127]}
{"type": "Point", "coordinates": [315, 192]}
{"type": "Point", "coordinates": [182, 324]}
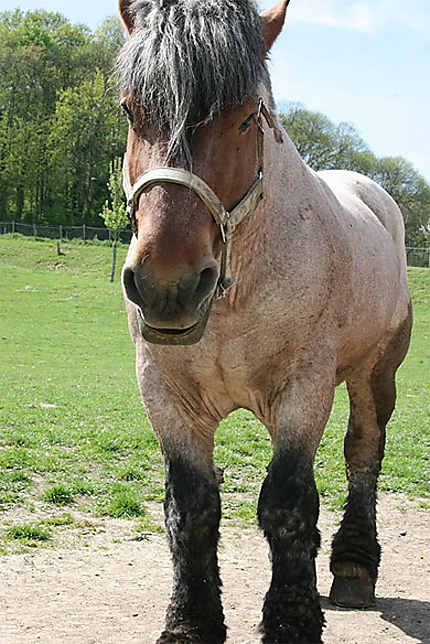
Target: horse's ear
{"type": "Point", "coordinates": [126, 15]}
{"type": "Point", "coordinates": [272, 22]}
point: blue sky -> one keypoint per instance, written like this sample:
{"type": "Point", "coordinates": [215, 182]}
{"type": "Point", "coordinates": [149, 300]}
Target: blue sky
{"type": "Point", "coordinates": [367, 63]}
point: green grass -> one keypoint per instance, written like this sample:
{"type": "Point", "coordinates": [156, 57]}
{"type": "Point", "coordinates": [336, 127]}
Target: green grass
{"type": "Point", "coordinates": [64, 519]}
{"type": "Point", "coordinates": [28, 534]}
{"type": "Point", "coordinates": [59, 495]}
{"type": "Point", "coordinates": [73, 432]}
{"type": "Point", "coordinates": [124, 503]}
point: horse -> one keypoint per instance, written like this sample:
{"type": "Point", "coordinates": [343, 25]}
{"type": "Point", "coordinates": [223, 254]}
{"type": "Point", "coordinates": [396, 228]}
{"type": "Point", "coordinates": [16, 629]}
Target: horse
{"type": "Point", "coordinates": [253, 282]}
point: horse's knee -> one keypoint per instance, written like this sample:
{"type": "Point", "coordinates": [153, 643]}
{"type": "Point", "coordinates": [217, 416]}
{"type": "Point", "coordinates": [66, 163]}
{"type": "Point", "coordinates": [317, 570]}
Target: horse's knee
{"type": "Point", "coordinates": [288, 506]}
{"type": "Point", "coordinates": [192, 502]}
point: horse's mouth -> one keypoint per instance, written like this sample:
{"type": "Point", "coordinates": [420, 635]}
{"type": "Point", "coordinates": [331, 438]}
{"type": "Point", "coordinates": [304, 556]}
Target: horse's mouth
{"type": "Point", "coordinates": [189, 335]}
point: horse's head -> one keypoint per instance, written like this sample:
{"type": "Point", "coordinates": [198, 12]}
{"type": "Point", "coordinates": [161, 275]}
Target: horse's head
{"type": "Point", "coordinates": [191, 74]}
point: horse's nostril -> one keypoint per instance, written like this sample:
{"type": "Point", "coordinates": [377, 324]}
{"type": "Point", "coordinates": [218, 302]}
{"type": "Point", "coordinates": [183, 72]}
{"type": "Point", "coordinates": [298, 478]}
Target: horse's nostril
{"type": "Point", "coordinates": [207, 281]}
{"type": "Point", "coordinates": [130, 287]}
{"type": "Point", "coordinates": [163, 302]}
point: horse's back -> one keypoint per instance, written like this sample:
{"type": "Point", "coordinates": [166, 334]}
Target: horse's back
{"type": "Point", "coordinates": [361, 195]}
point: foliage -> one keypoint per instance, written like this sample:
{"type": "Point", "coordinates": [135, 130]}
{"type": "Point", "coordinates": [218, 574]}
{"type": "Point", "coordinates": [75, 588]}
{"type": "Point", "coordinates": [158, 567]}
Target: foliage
{"type": "Point", "coordinates": [81, 435]}
{"type": "Point", "coordinates": [59, 119]}
{"type": "Point", "coordinates": [124, 503]}
{"type": "Point", "coordinates": [321, 143]}
{"type": "Point", "coordinates": [115, 217]}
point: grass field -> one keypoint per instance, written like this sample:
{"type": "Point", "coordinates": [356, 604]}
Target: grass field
{"type": "Point", "coordinates": [74, 440]}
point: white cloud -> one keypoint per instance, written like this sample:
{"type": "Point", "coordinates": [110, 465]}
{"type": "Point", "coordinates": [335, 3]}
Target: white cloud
{"type": "Point", "coordinates": [358, 15]}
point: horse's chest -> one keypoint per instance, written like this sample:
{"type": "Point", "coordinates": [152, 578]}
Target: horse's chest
{"type": "Point", "coordinates": [248, 373]}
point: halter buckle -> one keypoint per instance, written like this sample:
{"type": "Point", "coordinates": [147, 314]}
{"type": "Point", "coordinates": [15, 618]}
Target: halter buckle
{"type": "Point", "coordinates": [223, 233]}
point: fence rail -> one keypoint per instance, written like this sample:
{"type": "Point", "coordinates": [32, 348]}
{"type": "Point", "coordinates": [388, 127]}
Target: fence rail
{"type": "Point", "coordinates": [416, 256]}
{"type": "Point", "coordinates": [62, 232]}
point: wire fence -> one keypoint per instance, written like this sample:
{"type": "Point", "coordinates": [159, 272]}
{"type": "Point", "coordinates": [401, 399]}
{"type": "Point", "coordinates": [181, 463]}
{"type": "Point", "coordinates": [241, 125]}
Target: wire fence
{"type": "Point", "coordinates": [63, 232]}
{"type": "Point", "coordinates": [416, 256]}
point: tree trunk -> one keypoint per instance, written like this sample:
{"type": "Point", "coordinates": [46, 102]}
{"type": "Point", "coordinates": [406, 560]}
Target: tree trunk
{"type": "Point", "coordinates": [112, 272]}
{"type": "Point", "coordinates": [19, 200]}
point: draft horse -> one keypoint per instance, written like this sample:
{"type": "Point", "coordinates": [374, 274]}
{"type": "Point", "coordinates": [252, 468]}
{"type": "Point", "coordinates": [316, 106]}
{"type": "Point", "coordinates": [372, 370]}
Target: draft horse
{"type": "Point", "coordinates": [252, 282]}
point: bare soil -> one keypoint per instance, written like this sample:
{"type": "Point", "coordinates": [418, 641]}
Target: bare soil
{"type": "Point", "coordinates": [115, 590]}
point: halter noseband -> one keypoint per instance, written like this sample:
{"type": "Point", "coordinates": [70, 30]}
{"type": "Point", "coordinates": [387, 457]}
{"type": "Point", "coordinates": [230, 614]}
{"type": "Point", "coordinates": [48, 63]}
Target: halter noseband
{"type": "Point", "coordinates": [226, 220]}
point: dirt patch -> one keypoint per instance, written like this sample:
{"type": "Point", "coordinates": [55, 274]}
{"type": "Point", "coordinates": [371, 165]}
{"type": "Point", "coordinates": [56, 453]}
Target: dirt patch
{"type": "Point", "coordinates": [115, 590]}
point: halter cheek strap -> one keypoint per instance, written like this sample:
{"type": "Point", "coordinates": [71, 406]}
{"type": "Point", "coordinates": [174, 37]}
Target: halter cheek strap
{"type": "Point", "coordinates": [226, 220]}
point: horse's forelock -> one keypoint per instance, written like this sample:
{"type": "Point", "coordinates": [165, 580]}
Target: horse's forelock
{"type": "Point", "coordinates": [188, 59]}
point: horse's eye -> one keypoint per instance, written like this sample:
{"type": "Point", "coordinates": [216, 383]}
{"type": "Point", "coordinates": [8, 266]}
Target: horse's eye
{"type": "Point", "coordinates": [246, 124]}
{"type": "Point", "coordinates": [127, 111]}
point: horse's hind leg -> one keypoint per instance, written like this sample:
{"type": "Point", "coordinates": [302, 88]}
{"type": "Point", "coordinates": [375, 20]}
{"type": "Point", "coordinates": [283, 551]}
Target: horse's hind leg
{"type": "Point", "coordinates": [355, 549]}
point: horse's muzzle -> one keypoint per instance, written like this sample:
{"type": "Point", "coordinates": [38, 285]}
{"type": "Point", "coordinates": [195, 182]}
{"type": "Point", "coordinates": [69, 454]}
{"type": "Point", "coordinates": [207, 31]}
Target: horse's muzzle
{"type": "Point", "coordinates": [172, 311]}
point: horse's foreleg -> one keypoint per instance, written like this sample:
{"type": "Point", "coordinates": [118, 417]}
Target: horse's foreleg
{"type": "Point", "coordinates": [355, 550]}
{"type": "Point", "coordinates": [192, 515]}
{"type": "Point", "coordinates": [288, 511]}
{"type": "Point", "coordinates": [191, 506]}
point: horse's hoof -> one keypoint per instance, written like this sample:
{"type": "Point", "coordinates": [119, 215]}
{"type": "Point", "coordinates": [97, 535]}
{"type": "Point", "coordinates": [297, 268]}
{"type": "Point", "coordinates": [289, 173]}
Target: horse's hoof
{"type": "Point", "coordinates": [288, 639]}
{"type": "Point", "coordinates": [167, 637]}
{"type": "Point", "coordinates": [352, 592]}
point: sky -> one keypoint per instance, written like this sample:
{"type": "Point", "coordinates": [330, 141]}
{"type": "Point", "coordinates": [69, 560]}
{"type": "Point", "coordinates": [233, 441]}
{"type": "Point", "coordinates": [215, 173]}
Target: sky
{"type": "Point", "coordinates": [366, 63]}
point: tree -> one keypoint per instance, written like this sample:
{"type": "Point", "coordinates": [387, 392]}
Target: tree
{"type": "Point", "coordinates": [59, 117]}
{"type": "Point", "coordinates": [37, 59]}
{"type": "Point", "coordinates": [86, 133]}
{"type": "Point", "coordinates": [115, 216]}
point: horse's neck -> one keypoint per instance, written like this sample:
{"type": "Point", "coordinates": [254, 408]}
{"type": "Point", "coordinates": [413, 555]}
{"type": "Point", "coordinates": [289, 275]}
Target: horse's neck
{"type": "Point", "coordinates": [285, 169]}
{"type": "Point", "coordinates": [286, 181]}
{"type": "Point", "coordinates": [256, 242]}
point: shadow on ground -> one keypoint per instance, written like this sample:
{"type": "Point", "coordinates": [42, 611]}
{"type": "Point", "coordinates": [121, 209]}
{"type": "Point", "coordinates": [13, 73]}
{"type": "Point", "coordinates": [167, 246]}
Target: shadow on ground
{"type": "Point", "coordinates": [409, 615]}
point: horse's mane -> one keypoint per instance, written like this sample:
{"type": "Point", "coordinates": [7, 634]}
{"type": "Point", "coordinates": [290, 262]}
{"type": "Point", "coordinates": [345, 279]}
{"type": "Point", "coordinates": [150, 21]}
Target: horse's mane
{"type": "Point", "coordinates": [188, 59]}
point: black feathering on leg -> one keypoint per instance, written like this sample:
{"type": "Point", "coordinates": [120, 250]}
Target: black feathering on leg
{"type": "Point", "coordinates": [356, 540]}
{"type": "Point", "coordinates": [356, 552]}
{"type": "Point", "coordinates": [192, 515]}
{"type": "Point", "coordinates": [288, 512]}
